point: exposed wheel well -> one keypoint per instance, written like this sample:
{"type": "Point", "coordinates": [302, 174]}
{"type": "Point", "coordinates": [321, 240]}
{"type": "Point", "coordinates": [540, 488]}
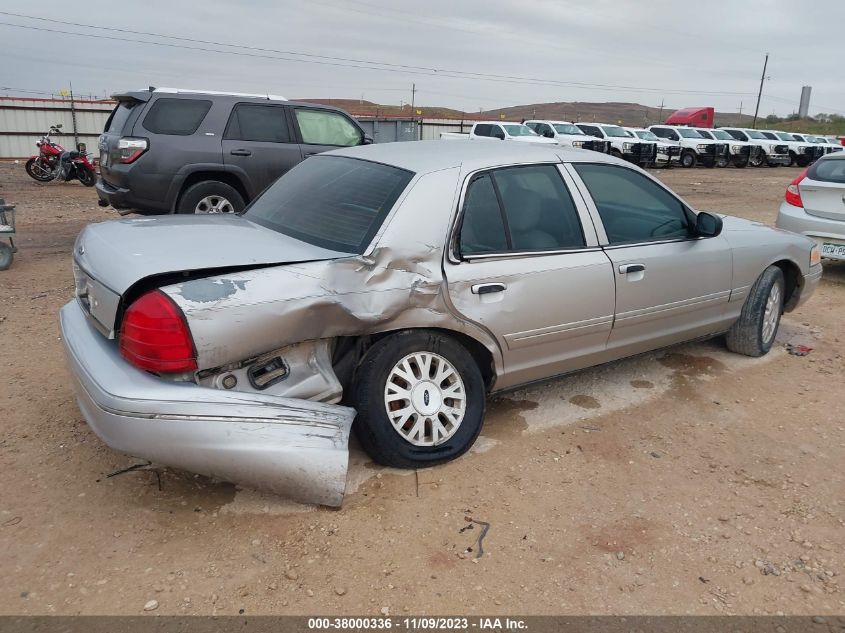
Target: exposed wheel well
{"type": "Point", "coordinates": [792, 278]}
{"type": "Point", "coordinates": [220, 176]}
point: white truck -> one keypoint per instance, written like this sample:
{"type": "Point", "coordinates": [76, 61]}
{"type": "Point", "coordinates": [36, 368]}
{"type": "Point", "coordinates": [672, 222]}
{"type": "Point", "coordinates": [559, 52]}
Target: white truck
{"type": "Point", "coordinates": [819, 149]}
{"type": "Point", "coordinates": [740, 153]}
{"type": "Point", "coordinates": [775, 152]}
{"type": "Point", "coordinates": [695, 148]}
{"type": "Point", "coordinates": [567, 134]}
{"type": "Point", "coordinates": [622, 144]}
{"type": "Point", "coordinates": [800, 153]}
{"type": "Point", "coordinates": [501, 132]}
{"type": "Point", "coordinates": [668, 152]}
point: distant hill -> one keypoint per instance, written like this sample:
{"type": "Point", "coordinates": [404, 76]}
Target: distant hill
{"type": "Point", "coordinates": [359, 107]}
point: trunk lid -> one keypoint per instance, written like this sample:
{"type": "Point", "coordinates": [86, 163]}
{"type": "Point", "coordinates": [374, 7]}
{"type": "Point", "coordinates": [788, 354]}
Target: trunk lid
{"type": "Point", "coordinates": [823, 199]}
{"type": "Point", "coordinates": [111, 257]}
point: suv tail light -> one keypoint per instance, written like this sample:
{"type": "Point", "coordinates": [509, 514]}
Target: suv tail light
{"type": "Point", "coordinates": [793, 195]}
{"type": "Point", "coordinates": [131, 149]}
{"type": "Point", "coordinates": [155, 336]}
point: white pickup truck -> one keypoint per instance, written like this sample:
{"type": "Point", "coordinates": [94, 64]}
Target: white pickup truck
{"type": "Point", "coordinates": [740, 153]}
{"type": "Point", "coordinates": [775, 152]}
{"type": "Point", "coordinates": [800, 154]}
{"type": "Point", "coordinates": [694, 147]}
{"type": "Point", "coordinates": [501, 132]}
{"type": "Point", "coordinates": [568, 135]}
{"type": "Point", "coordinates": [622, 144]}
{"type": "Point", "coordinates": [668, 152]}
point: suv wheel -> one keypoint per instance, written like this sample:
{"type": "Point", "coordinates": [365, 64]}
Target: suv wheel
{"type": "Point", "coordinates": [210, 196]}
{"type": "Point", "coordinates": [420, 400]}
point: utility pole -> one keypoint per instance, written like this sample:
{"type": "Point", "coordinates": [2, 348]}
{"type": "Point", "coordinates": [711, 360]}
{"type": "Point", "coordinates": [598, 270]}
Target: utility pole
{"type": "Point", "coordinates": [760, 92]}
{"type": "Point", "coordinates": [739, 120]}
{"type": "Point", "coordinates": [413, 95]}
{"type": "Point", "coordinates": [73, 117]}
{"type": "Point", "coordinates": [660, 114]}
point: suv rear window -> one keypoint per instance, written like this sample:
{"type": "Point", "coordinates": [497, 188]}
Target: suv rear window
{"type": "Point", "coordinates": [119, 116]}
{"type": "Point", "coordinates": [830, 170]}
{"type": "Point", "coordinates": [332, 202]}
{"type": "Point", "coordinates": [180, 117]}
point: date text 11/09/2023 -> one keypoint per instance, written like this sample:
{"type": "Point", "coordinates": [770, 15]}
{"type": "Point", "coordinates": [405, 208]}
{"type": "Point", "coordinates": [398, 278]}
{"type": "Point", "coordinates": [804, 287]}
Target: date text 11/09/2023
{"type": "Point", "coordinates": [416, 624]}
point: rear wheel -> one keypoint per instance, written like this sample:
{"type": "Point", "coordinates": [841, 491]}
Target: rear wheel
{"type": "Point", "coordinates": [754, 332]}
{"type": "Point", "coordinates": [210, 196]}
{"type": "Point", "coordinates": [688, 159]}
{"type": "Point", "coordinates": [420, 399]}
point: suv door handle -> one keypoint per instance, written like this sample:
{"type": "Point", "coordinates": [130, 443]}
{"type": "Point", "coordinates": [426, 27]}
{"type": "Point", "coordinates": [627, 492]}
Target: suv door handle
{"type": "Point", "coordinates": [483, 289]}
{"type": "Point", "coordinates": [241, 152]}
{"type": "Point", "coordinates": [624, 269]}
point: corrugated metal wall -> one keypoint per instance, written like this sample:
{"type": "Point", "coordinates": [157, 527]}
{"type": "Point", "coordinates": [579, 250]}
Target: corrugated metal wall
{"type": "Point", "coordinates": [23, 121]}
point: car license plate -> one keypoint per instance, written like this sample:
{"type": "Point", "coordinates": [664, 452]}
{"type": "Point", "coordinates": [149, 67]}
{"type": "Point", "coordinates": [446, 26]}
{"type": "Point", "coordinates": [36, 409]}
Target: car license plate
{"type": "Point", "coordinates": [836, 251]}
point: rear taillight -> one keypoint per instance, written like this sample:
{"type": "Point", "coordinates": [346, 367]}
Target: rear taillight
{"type": "Point", "coordinates": [131, 149]}
{"type": "Point", "coordinates": [155, 336]}
{"type": "Point", "coordinates": [793, 195]}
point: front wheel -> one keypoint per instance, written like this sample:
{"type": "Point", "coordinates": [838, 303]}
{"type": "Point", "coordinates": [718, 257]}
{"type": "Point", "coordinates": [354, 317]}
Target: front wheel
{"type": "Point", "coordinates": [740, 162]}
{"type": "Point", "coordinates": [420, 399]}
{"type": "Point", "coordinates": [86, 176]}
{"type": "Point", "coordinates": [36, 170]}
{"type": "Point", "coordinates": [688, 159]}
{"type": "Point", "coordinates": [757, 159]}
{"type": "Point", "coordinates": [754, 332]}
{"type": "Point", "coordinates": [722, 161]}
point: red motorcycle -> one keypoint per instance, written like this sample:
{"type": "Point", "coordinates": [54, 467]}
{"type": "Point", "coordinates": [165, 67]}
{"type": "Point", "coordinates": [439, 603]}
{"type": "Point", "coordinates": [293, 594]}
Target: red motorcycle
{"type": "Point", "coordinates": [54, 162]}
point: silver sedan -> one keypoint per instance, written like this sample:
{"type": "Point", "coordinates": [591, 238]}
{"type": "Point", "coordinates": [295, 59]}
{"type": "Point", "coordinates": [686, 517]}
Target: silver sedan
{"type": "Point", "coordinates": [398, 285]}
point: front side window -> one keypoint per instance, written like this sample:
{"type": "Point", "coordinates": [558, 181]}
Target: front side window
{"type": "Point", "coordinates": [632, 207]}
{"type": "Point", "coordinates": [756, 134]}
{"type": "Point", "coordinates": [720, 135]}
{"type": "Point", "coordinates": [738, 135]}
{"type": "Point", "coordinates": [615, 131]}
{"type": "Point", "coordinates": [519, 209]}
{"type": "Point", "coordinates": [784, 136]}
{"type": "Point", "coordinates": [519, 130]}
{"type": "Point", "coordinates": [332, 202]}
{"type": "Point", "coordinates": [263, 123]}
{"type": "Point", "coordinates": [646, 135]}
{"type": "Point", "coordinates": [591, 130]}
{"type": "Point", "coordinates": [180, 117]}
{"type": "Point", "coordinates": [770, 136]}
{"type": "Point", "coordinates": [663, 132]}
{"type": "Point", "coordinates": [705, 134]}
{"type": "Point", "coordinates": [323, 127]}
{"type": "Point", "coordinates": [567, 128]}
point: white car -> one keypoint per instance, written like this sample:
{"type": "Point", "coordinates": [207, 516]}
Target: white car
{"type": "Point", "coordinates": [500, 131]}
{"type": "Point", "coordinates": [801, 153]}
{"type": "Point", "coordinates": [694, 147]}
{"type": "Point", "coordinates": [622, 145]}
{"type": "Point", "coordinates": [828, 145]}
{"type": "Point", "coordinates": [814, 205]}
{"type": "Point", "coordinates": [819, 147]}
{"type": "Point", "coordinates": [775, 152]}
{"type": "Point", "coordinates": [739, 153]}
{"type": "Point", "coordinates": [668, 152]}
{"type": "Point", "coordinates": [568, 135]}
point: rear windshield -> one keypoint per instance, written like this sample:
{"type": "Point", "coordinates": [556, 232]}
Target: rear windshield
{"type": "Point", "coordinates": [119, 116]}
{"type": "Point", "coordinates": [830, 170]}
{"type": "Point", "coordinates": [332, 202]}
{"type": "Point", "coordinates": [180, 117]}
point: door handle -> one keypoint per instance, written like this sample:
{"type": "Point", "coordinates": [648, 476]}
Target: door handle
{"type": "Point", "coordinates": [624, 269]}
{"type": "Point", "coordinates": [483, 289]}
{"type": "Point", "coordinates": [307, 154]}
{"type": "Point", "coordinates": [241, 152]}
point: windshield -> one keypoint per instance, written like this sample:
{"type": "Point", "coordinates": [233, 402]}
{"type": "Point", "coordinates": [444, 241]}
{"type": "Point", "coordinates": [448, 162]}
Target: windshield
{"type": "Point", "coordinates": [689, 133]}
{"type": "Point", "coordinates": [615, 131]}
{"type": "Point", "coordinates": [646, 135]}
{"type": "Point", "coordinates": [567, 128]}
{"type": "Point", "coordinates": [784, 136]}
{"type": "Point", "coordinates": [755, 134]}
{"type": "Point", "coordinates": [721, 135]}
{"type": "Point", "coordinates": [519, 130]}
{"type": "Point", "coordinates": [332, 202]}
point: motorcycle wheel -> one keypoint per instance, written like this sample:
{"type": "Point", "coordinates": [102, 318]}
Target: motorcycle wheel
{"type": "Point", "coordinates": [36, 171]}
{"type": "Point", "coordinates": [86, 177]}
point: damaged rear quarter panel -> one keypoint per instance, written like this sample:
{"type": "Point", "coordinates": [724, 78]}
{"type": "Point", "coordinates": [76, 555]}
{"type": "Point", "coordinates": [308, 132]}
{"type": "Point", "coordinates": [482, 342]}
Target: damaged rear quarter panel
{"type": "Point", "coordinates": [398, 283]}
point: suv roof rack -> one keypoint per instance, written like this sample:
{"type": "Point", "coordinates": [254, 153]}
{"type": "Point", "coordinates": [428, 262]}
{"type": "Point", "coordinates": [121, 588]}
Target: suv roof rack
{"type": "Point", "coordinates": [216, 92]}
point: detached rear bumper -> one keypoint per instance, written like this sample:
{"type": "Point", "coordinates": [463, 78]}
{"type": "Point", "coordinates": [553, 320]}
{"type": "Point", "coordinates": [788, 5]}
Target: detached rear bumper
{"type": "Point", "coordinates": [296, 448]}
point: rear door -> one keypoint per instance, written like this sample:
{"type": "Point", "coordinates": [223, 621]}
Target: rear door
{"type": "Point", "coordinates": [526, 266]}
{"type": "Point", "coordinates": [259, 143]}
{"type": "Point", "coordinates": [823, 190]}
{"type": "Point", "coordinates": [670, 286]}
{"type": "Point", "coordinates": [321, 130]}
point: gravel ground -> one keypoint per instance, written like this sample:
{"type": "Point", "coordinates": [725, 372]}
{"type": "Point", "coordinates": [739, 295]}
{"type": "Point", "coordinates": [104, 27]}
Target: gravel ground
{"type": "Point", "coordinates": [684, 481]}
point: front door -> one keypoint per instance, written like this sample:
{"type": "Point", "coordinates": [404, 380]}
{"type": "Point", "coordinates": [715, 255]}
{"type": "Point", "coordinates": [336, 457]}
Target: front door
{"type": "Point", "coordinates": [323, 130]}
{"type": "Point", "coordinates": [670, 285]}
{"type": "Point", "coordinates": [528, 269]}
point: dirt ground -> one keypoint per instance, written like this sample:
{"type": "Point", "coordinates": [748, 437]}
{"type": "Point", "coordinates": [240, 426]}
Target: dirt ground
{"type": "Point", "coordinates": [685, 481]}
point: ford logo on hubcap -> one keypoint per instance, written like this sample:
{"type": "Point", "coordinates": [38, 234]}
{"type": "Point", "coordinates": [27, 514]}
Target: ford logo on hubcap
{"type": "Point", "coordinates": [426, 398]}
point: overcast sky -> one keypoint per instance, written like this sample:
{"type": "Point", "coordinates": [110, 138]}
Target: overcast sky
{"type": "Point", "coordinates": [705, 52]}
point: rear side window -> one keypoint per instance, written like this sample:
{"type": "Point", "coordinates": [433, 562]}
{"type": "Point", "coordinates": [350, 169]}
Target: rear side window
{"type": "Point", "coordinates": [831, 170]}
{"type": "Point", "coordinates": [738, 135]}
{"type": "Point", "coordinates": [264, 123]}
{"type": "Point", "coordinates": [322, 127]}
{"type": "Point", "coordinates": [633, 208]}
{"type": "Point", "coordinates": [119, 116]}
{"type": "Point", "coordinates": [332, 202]}
{"type": "Point", "coordinates": [180, 117]}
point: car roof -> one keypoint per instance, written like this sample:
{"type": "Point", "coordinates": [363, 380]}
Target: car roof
{"type": "Point", "coordinates": [552, 121]}
{"type": "Point", "coordinates": [429, 156]}
{"type": "Point", "coordinates": [597, 123]}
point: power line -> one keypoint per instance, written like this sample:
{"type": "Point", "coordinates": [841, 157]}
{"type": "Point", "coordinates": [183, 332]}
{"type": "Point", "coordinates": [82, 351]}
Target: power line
{"type": "Point", "coordinates": [348, 62]}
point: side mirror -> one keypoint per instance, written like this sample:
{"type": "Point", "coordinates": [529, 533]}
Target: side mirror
{"type": "Point", "coordinates": [549, 134]}
{"type": "Point", "coordinates": [367, 140]}
{"type": "Point", "coordinates": [707, 224]}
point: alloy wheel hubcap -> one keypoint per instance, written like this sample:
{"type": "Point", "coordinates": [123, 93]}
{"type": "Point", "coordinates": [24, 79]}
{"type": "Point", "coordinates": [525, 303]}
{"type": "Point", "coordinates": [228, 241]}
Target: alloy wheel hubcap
{"type": "Point", "coordinates": [214, 204]}
{"type": "Point", "coordinates": [425, 399]}
{"type": "Point", "coordinates": [770, 316]}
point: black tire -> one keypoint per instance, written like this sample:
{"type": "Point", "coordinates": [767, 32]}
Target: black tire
{"type": "Point", "coordinates": [688, 159]}
{"type": "Point", "coordinates": [803, 161]}
{"type": "Point", "coordinates": [741, 162]}
{"type": "Point", "coordinates": [722, 162]}
{"type": "Point", "coordinates": [6, 256]}
{"type": "Point", "coordinates": [372, 425]}
{"type": "Point", "coordinates": [37, 175]}
{"type": "Point", "coordinates": [615, 152]}
{"type": "Point", "coordinates": [746, 335]}
{"type": "Point", "coordinates": [793, 159]}
{"type": "Point", "coordinates": [86, 176]}
{"type": "Point", "coordinates": [198, 192]}
{"type": "Point", "coordinates": [709, 163]}
{"type": "Point", "coordinates": [758, 160]}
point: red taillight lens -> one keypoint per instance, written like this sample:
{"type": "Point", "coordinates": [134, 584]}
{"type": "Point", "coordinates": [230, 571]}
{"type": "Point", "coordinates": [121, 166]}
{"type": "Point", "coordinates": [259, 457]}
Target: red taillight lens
{"type": "Point", "coordinates": [131, 148]}
{"type": "Point", "coordinates": [155, 335]}
{"type": "Point", "coordinates": [793, 195]}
